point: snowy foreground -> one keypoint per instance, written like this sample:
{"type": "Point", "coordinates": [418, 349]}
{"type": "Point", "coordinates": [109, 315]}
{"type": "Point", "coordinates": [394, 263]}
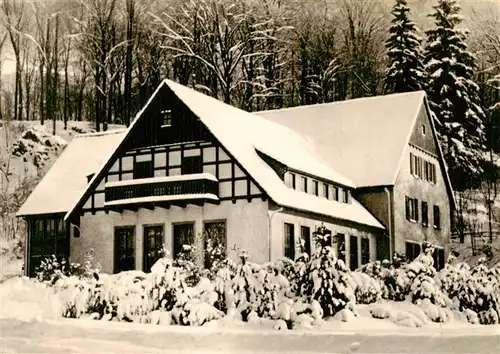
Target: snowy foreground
{"type": "Point", "coordinates": [30, 322]}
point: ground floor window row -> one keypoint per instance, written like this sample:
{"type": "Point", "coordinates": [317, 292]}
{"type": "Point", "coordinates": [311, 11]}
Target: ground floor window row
{"type": "Point", "coordinates": [358, 253]}
{"type": "Point", "coordinates": [183, 237]}
{"type": "Point", "coordinates": [413, 249]}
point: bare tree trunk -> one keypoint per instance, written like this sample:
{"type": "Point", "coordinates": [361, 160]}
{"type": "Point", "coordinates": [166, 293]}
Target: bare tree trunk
{"type": "Point", "coordinates": [66, 85]}
{"type": "Point", "coordinates": [56, 77]}
{"type": "Point", "coordinates": [128, 61]}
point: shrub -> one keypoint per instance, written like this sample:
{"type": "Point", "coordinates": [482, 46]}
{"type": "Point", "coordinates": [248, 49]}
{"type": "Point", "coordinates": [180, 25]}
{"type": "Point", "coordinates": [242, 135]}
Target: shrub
{"type": "Point", "coordinates": [326, 279]}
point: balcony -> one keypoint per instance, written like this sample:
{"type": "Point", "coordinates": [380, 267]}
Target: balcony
{"type": "Point", "coordinates": [147, 193]}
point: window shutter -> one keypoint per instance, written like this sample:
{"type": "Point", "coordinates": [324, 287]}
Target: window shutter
{"type": "Point", "coordinates": [415, 203]}
{"type": "Point", "coordinates": [407, 204]}
{"type": "Point", "coordinates": [411, 163]}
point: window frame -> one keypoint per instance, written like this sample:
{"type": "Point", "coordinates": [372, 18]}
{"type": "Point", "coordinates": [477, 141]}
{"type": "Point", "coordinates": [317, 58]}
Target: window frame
{"type": "Point", "coordinates": [174, 224]}
{"type": "Point", "coordinates": [365, 257]}
{"type": "Point", "coordinates": [416, 249]}
{"type": "Point", "coordinates": [307, 241]}
{"type": "Point", "coordinates": [137, 172]}
{"type": "Point", "coordinates": [425, 213]}
{"type": "Point", "coordinates": [289, 240]}
{"type": "Point", "coordinates": [184, 165]}
{"type": "Point", "coordinates": [166, 122]}
{"type": "Point", "coordinates": [436, 217]}
{"type": "Point", "coordinates": [133, 228]}
{"type": "Point", "coordinates": [145, 243]}
{"type": "Point", "coordinates": [293, 180]}
{"type": "Point", "coordinates": [224, 241]}
{"type": "Point", "coordinates": [411, 209]}
{"type": "Point", "coordinates": [304, 184]}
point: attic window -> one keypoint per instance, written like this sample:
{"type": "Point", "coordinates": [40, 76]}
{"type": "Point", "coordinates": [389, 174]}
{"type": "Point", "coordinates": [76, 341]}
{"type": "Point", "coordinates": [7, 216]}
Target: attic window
{"type": "Point", "coordinates": [423, 129]}
{"type": "Point", "coordinates": [166, 118]}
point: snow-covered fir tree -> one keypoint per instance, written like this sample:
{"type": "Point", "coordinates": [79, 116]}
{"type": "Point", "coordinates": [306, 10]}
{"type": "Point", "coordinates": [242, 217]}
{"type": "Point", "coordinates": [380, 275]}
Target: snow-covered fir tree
{"type": "Point", "coordinates": [406, 70]}
{"type": "Point", "coordinates": [454, 94]}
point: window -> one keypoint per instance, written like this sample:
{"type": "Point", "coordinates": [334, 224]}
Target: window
{"type": "Point", "coordinates": [183, 236]}
{"type": "Point", "coordinates": [425, 214]}
{"type": "Point", "coordinates": [411, 208]}
{"type": "Point", "coordinates": [345, 195]}
{"type": "Point", "coordinates": [353, 253]}
{"type": "Point", "coordinates": [305, 240]}
{"type": "Point", "coordinates": [191, 164]}
{"type": "Point", "coordinates": [304, 185]}
{"type": "Point", "coordinates": [143, 169]}
{"type": "Point", "coordinates": [153, 245]}
{"type": "Point", "coordinates": [316, 188]}
{"type": "Point", "coordinates": [335, 193]}
{"type": "Point", "coordinates": [215, 234]}
{"type": "Point", "coordinates": [423, 129]}
{"type": "Point", "coordinates": [365, 250]}
{"type": "Point", "coordinates": [124, 249]}
{"type": "Point", "coordinates": [438, 257]}
{"type": "Point", "coordinates": [341, 247]}
{"type": "Point", "coordinates": [289, 240]}
{"type": "Point", "coordinates": [166, 118]}
{"type": "Point", "coordinates": [326, 191]}
{"type": "Point", "coordinates": [412, 250]}
{"type": "Point", "coordinates": [293, 180]}
{"type": "Point", "coordinates": [437, 217]}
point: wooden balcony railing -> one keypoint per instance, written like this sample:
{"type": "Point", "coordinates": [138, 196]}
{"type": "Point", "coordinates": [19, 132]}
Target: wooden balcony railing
{"type": "Point", "coordinates": [184, 185]}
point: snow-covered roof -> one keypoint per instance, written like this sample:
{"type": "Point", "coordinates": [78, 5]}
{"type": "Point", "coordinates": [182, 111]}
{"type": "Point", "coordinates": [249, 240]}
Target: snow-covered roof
{"type": "Point", "coordinates": [362, 138]}
{"type": "Point", "coordinates": [243, 134]}
{"type": "Point", "coordinates": [63, 184]}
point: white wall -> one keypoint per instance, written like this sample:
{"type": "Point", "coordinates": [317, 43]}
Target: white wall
{"type": "Point", "coordinates": [247, 228]}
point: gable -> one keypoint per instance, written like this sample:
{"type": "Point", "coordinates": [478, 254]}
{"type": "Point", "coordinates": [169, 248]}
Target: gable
{"type": "Point", "coordinates": [150, 129]}
{"type": "Point", "coordinates": [422, 136]}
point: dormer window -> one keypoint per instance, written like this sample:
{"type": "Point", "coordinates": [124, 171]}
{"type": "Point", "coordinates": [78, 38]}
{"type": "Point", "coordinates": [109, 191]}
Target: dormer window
{"type": "Point", "coordinates": [346, 196]}
{"type": "Point", "coordinates": [292, 180]}
{"type": "Point", "coordinates": [166, 118]}
{"type": "Point", "coordinates": [316, 188]}
{"type": "Point", "coordinates": [326, 191]}
{"type": "Point", "coordinates": [304, 185]}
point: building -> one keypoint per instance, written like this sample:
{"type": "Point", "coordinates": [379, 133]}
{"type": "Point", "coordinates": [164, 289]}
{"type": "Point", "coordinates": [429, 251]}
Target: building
{"type": "Point", "coordinates": [189, 165]}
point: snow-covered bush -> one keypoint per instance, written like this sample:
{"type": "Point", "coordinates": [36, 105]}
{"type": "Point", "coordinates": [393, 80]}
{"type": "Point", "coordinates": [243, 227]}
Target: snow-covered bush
{"type": "Point", "coordinates": [368, 289]}
{"type": "Point", "coordinates": [424, 284]}
{"type": "Point", "coordinates": [475, 290]}
{"type": "Point", "coordinates": [189, 262]}
{"type": "Point", "coordinates": [326, 279]}
{"type": "Point", "coordinates": [195, 305]}
{"type": "Point", "coordinates": [247, 288]}
{"type": "Point", "coordinates": [52, 268]}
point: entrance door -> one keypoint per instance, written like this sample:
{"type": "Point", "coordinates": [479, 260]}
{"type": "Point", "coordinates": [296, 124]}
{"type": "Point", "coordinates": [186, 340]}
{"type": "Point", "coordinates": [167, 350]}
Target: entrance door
{"type": "Point", "coordinates": [183, 235]}
{"type": "Point", "coordinates": [153, 245]}
{"type": "Point", "coordinates": [124, 249]}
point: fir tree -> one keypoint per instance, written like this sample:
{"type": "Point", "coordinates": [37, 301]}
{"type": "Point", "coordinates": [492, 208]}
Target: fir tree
{"type": "Point", "coordinates": [454, 95]}
{"type": "Point", "coordinates": [406, 71]}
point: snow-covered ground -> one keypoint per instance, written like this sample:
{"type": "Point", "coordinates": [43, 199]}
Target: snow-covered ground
{"type": "Point", "coordinates": [30, 322]}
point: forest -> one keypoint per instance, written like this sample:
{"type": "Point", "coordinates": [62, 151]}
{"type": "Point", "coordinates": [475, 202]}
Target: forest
{"type": "Point", "coordinates": [100, 60]}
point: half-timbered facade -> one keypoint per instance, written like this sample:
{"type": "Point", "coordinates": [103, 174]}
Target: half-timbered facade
{"type": "Point", "coordinates": [189, 166]}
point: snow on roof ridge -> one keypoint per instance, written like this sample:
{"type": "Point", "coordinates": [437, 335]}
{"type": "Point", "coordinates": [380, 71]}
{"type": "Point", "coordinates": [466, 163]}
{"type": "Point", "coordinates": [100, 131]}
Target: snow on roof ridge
{"type": "Point", "coordinates": [349, 100]}
{"type": "Point", "coordinates": [104, 133]}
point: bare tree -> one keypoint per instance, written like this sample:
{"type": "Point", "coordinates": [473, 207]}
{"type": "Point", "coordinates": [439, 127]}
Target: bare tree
{"type": "Point", "coordinates": [221, 43]}
{"type": "Point", "coordinates": [14, 20]}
